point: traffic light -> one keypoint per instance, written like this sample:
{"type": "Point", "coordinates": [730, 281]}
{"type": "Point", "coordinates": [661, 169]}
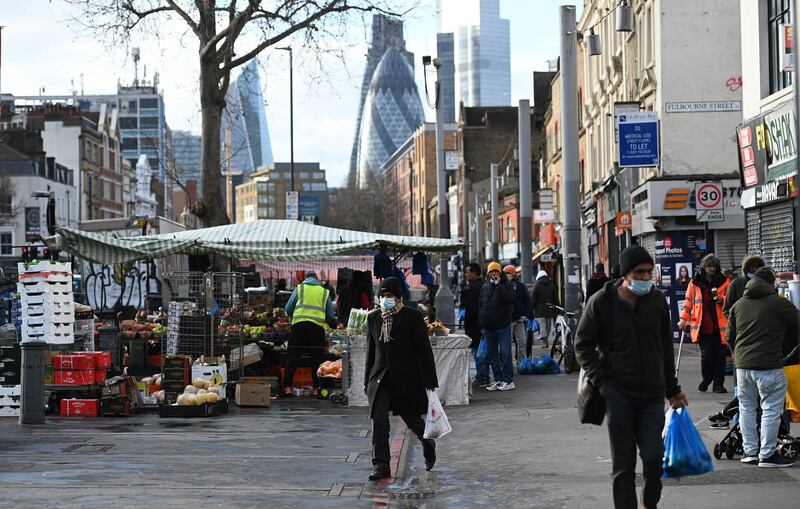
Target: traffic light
{"type": "Point", "coordinates": [26, 254]}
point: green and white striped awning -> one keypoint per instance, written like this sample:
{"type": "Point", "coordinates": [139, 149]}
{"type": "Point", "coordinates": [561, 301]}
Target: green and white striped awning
{"type": "Point", "coordinates": [258, 240]}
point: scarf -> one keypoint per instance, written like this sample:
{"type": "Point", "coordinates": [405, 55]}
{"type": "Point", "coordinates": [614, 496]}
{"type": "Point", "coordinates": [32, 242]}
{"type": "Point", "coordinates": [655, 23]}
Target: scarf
{"type": "Point", "coordinates": [388, 318]}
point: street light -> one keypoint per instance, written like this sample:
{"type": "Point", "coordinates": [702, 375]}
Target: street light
{"type": "Point", "coordinates": [291, 115]}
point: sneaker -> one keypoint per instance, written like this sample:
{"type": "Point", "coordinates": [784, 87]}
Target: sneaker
{"type": "Point", "coordinates": [775, 461]}
{"type": "Point", "coordinates": [719, 389]}
{"type": "Point", "coordinates": [493, 386]}
{"type": "Point", "coordinates": [720, 425]}
{"type": "Point", "coordinates": [506, 386]}
{"type": "Point", "coordinates": [703, 387]}
{"type": "Point", "coordinates": [717, 417]}
{"type": "Point", "coordinates": [750, 460]}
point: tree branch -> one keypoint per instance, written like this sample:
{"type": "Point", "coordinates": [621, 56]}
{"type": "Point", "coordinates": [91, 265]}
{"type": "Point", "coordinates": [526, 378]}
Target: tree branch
{"type": "Point", "coordinates": [183, 14]}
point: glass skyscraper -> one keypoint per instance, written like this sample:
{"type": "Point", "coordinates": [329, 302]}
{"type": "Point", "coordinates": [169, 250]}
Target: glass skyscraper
{"type": "Point", "coordinates": [482, 50]}
{"type": "Point", "coordinates": [392, 111]}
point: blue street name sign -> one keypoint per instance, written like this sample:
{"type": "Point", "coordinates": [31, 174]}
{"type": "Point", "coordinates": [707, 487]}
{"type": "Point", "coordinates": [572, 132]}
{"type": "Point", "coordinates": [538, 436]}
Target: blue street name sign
{"type": "Point", "coordinates": [638, 139]}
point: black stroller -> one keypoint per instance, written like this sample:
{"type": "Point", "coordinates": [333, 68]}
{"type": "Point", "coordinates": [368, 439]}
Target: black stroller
{"type": "Point", "coordinates": [732, 445]}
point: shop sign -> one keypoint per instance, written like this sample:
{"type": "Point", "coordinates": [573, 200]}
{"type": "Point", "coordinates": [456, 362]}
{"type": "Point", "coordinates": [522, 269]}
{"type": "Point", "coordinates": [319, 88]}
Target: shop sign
{"type": "Point", "coordinates": [541, 216]}
{"type": "Point", "coordinates": [677, 255]}
{"type": "Point", "coordinates": [782, 142]}
{"type": "Point", "coordinates": [624, 220]}
{"type": "Point", "coordinates": [292, 205]}
{"type": "Point", "coordinates": [638, 139]}
{"type": "Point", "coordinates": [667, 198]}
{"type": "Point", "coordinates": [451, 160]}
{"type": "Point", "coordinates": [769, 193]}
{"type": "Point", "coordinates": [308, 206]}
{"type": "Point", "coordinates": [547, 235]}
{"type": "Point", "coordinates": [786, 47]}
{"type": "Point", "coordinates": [33, 224]}
{"type": "Point", "coordinates": [768, 146]}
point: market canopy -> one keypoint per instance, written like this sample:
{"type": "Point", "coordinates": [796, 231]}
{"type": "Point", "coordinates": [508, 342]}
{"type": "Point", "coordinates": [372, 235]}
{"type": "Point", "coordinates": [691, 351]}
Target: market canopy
{"type": "Point", "coordinates": [267, 239]}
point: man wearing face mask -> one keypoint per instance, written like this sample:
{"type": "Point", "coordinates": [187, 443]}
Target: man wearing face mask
{"type": "Point", "coordinates": [624, 343]}
{"type": "Point", "coordinates": [702, 312]}
{"type": "Point", "coordinates": [399, 368]}
{"type": "Point", "coordinates": [496, 312]}
{"type": "Point", "coordinates": [750, 265]}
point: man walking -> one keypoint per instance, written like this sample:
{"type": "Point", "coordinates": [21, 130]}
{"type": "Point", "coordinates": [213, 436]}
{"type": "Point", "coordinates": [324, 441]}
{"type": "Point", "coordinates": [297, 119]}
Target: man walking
{"type": "Point", "coordinates": [522, 310]}
{"type": "Point", "coordinates": [597, 281]}
{"type": "Point", "coordinates": [496, 310]}
{"type": "Point", "coordinates": [757, 326]}
{"type": "Point", "coordinates": [750, 265]}
{"type": "Point", "coordinates": [310, 307]}
{"type": "Point", "coordinates": [544, 296]}
{"type": "Point", "coordinates": [470, 303]}
{"type": "Point", "coordinates": [702, 312]}
{"type": "Point", "coordinates": [624, 343]}
{"type": "Point", "coordinates": [398, 370]}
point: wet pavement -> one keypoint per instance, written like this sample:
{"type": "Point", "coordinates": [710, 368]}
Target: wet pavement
{"type": "Point", "coordinates": [522, 448]}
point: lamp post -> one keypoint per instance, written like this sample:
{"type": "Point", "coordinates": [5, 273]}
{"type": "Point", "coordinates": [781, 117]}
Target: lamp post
{"type": "Point", "coordinates": [291, 115]}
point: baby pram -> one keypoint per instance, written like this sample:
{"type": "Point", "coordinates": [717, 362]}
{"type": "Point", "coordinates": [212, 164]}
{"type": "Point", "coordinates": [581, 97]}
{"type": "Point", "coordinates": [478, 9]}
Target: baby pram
{"type": "Point", "coordinates": [732, 444]}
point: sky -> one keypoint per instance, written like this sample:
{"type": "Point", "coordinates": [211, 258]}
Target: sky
{"type": "Point", "coordinates": [43, 49]}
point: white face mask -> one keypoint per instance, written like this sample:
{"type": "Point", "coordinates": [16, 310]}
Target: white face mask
{"type": "Point", "coordinates": [388, 303]}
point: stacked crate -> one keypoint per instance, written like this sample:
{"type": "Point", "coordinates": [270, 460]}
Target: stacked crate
{"type": "Point", "coordinates": [175, 375]}
{"type": "Point", "coordinates": [10, 367]}
{"type": "Point", "coordinates": [48, 313]}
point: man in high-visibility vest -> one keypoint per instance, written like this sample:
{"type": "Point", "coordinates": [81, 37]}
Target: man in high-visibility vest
{"type": "Point", "coordinates": [310, 307]}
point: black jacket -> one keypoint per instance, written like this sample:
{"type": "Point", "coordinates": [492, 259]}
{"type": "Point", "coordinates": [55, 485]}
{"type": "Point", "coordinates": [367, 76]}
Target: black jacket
{"type": "Point", "coordinates": [735, 292]}
{"type": "Point", "coordinates": [522, 300]}
{"type": "Point", "coordinates": [404, 366]}
{"type": "Point", "coordinates": [544, 293]}
{"type": "Point", "coordinates": [497, 304]}
{"type": "Point", "coordinates": [595, 284]}
{"type": "Point", "coordinates": [471, 303]}
{"type": "Point", "coordinates": [628, 346]}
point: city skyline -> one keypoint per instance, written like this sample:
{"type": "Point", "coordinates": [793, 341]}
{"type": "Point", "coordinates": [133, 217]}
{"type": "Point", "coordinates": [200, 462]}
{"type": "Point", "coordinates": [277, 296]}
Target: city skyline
{"type": "Point", "coordinates": [323, 104]}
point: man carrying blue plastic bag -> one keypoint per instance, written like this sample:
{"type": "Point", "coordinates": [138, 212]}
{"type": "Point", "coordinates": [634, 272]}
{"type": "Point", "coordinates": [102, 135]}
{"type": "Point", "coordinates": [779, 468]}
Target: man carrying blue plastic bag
{"type": "Point", "coordinates": [624, 344]}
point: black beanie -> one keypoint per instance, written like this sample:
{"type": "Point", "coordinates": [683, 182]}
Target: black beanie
{"type": "Point", "coordinates": [766, 274]}
{"type": "Point", "coordinates": [632, 256]}
{"type": "Point", "coordinates": [392, 285]}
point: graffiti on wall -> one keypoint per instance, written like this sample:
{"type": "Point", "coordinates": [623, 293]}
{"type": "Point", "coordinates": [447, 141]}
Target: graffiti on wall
{"type": "Point", "coordinates": [122, 284]}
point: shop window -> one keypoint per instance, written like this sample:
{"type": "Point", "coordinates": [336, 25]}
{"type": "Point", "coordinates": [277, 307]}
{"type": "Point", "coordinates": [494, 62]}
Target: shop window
{"type": "Point", "coordinates": [6, 241]}
{"type": "Point", "coordinates": [778, 13]}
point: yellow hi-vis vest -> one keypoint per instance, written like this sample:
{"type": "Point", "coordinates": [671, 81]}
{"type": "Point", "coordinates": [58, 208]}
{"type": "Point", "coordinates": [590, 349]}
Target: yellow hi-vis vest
{"type": "Point", "coordinates": [311, 303]}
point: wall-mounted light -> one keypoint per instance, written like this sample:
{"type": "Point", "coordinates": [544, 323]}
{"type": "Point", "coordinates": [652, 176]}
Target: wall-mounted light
{"type": "Point", "coordinates": [593, 43]}
{"type": "Point", "coordinates": [624, 17]}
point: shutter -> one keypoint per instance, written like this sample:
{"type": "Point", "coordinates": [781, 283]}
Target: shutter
{"type": "Point", "coordinates": [648, 241]}
{"type": "Point", "coordinates": [777, 236]}
{"type": "Point", "coordinates": [730, 248]}
{"type": "Point", "coordinates": [753, 230]}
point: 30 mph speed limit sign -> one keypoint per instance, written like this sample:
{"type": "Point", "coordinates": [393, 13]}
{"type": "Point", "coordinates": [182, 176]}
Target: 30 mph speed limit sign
{"type": "Point", "coordinates": [709, 202]}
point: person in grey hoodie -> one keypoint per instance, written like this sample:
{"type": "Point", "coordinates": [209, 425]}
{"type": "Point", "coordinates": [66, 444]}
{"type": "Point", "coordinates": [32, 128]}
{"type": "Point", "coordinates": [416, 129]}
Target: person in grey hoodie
{"type": "Point", "coordinates": [544, 295]}
{"type": "Point", "coordinates": [757, 326]}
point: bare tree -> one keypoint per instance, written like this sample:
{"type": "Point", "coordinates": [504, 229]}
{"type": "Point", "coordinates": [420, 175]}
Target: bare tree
{"type": "Point", "coordinates": [352, 208]}
{"type": "Point", "coordinates": [229, 33]}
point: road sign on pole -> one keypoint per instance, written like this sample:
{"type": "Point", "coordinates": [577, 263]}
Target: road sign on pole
{"type": "Point", "coordinates": [709, 204]}
{"type": "Point", "coordinates": [638, 139]}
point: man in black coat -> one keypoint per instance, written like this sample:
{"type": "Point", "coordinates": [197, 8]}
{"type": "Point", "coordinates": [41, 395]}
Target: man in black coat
{"type": "Point", "coordinates": [597, 281]}
{"type": "Point", "coordinates": [544, 295]}
{"type": "Point", "coordinates": [399, 369]}
{"type": "Point", "coordinates": [470, 303]}
{"type": "Point", "coordinates": [496, 312]}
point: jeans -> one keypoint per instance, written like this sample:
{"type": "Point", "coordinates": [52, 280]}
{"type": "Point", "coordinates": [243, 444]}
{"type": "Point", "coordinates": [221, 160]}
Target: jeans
{"type": "Point", "coordinates": [767, 387]}
{"type": "Point", "coordinates": [634, 422]}
{"type": "Point", "coordinates": [520, 337]}
{"type": "Point", "coordinates": [481, 367]}
{"type": "Point", "coordinates": [381, 454]}
{"type": "Point", "coordinates": [500, 339]}
{"type": "Point", "coordinates": [712, 359]}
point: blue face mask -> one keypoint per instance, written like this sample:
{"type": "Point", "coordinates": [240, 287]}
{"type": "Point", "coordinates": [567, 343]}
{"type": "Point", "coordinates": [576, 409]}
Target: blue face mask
{"type": "Point", "coordinates": [751, 275]}
{"type": "Point", "coordinates": [388, 303]}
{"type": "Point", "coordinates": [639, 287]}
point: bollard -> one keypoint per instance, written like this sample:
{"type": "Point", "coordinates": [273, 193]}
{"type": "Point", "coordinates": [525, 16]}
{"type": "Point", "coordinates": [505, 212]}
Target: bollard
{"type": "Point", "coordinates": [32, 380]}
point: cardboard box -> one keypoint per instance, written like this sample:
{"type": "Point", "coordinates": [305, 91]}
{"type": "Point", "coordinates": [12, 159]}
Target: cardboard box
{"type": "Point", "coordinates": [272, 381]}
{"type": "Point", "coordinates": [248, 354]}
{"type": "Point", "coordinates": [80, 407]}
{"type": "Point", "coordinates": [76, 361]}
{"type": "Point", "coordinates": [74, 377]}
{"type": "Point", "coordinates": [218, 374]}
{"type": "Point", "coordinates": [252, 395]}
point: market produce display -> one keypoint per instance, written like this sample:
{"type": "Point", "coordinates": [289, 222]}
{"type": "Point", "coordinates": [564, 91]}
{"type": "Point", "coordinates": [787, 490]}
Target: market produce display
{"type": "Point", "coordinates": [435, 328]}
{"type": "Point", "coordinates": [331, 369]}
{"type": "Point", "coordinates": [201, 391]}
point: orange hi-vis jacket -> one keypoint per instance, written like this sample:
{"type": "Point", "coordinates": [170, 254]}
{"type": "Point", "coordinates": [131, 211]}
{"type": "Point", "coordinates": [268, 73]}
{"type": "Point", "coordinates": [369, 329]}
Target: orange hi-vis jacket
{"type": "Point", "coordinates": [693, 310]}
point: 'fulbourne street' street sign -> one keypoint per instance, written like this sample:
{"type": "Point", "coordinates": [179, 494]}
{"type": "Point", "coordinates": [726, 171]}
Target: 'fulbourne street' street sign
{"type": "Point", "coordinates": [638, 139]}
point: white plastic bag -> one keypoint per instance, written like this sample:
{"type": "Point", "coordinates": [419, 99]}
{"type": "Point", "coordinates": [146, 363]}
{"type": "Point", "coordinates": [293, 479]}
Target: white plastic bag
{"type": "Point", "coordinates": [436, 423]}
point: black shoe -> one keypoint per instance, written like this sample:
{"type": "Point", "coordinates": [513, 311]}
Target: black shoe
{"type": "Point", "coordinates": [703, 387]}
{"type": "Point", "coordinates": [719, 389]}
{"type": "Point", "coordinates": [720, 425]}
{"type": "Point", "coordinates": [429, 451]}
{"type": "Point", "coordinates": [717, 417]}
{"type": "Point", "coordinates": [379, 473]}
{"type": "Point", "coordinates": [776, 461]}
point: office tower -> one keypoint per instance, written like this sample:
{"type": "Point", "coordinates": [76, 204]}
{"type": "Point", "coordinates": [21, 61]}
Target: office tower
{"type": "Point", "coordinates": [187, 149]}
{"type": "Point", "coordinates": [445, 52]}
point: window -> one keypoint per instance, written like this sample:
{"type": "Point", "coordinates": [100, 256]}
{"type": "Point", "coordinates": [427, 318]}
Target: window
{"type": "Point", "coordinates": [95, 156]}
{"type": "Point", "coordinates": [151, 103]}
{"type": "Point", "coordinates": [306, 186]}
{"type": "Point", "coordinates": [128, 123]}
{"type": "Point", "coordinates": [154, 165]}
{"type": "Point", "coordinates": [130, 144]}
{"type": "Point", "coordinates": [319, 186]}
{"type": "Point", "coordinates": [777, 15]}
{"type": "Point", "coordinates": [7, 206]}
{"type": "Point", "coordinates": [261, 186]}
{"type": "Point", "coordinates": [148, 122]}
{"type": "Point", "coordinates": [132, 106]}
{"type": "Point", "coordinates": [149, 143]}
{"type": "Point", "coordinates": [319, 175]}
{"type": "Point", "coordinates": [304, 175]}
{"type": "Point", "coordinates": [6, 241]}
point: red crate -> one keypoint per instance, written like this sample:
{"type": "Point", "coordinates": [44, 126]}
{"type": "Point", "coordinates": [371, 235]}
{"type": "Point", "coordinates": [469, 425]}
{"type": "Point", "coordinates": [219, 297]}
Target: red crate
{"type": "Point", "coordinates": [101, 359]}
{"type": "Point", "coordinates": [80, 407]}
{"type": "Point", "coordinates": [100, 374]}
{"type": "Point", "coordinates": [74, 377]}
{"type": "Point", "coordinates": [76, 361]}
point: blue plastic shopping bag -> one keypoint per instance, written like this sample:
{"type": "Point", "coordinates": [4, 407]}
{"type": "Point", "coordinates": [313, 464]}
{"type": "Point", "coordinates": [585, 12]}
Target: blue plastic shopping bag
{"type": "Point", "coordinates": [525, 366]}
{"type": "Point", "coordinates": [533, 325]}
{"type": "Point", "coordinates": [483, 350]}
{"type": "Point", "coordinates": [545, 365]}
{"type": "Point", "coordinates": [684, 450]}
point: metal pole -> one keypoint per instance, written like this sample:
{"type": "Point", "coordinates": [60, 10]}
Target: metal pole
{"type": "Point", "coordinates": [571, 233]}
{"type": "Point", "coordinates": [493, 194]}
{"type": "Point", "coordinates": [291, 117]}
{"type": "Point", "coordinates": [32, 396]}
{"type": "Point", "coordinates": [525, 221]}
{"type": "Point", "coordinates": [444, 300]}
{"type": "Point", "coordinates": [796, 62]}
{"type": "Point", "coordinates": [480, 227]}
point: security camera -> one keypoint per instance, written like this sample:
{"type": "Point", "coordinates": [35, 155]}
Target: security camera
{"type": "Point", "coordinates": [426, 60]}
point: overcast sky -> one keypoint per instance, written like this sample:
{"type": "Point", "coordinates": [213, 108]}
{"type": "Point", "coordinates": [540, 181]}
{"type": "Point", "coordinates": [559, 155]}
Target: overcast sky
{"type": "Point", "coordinates": [41, 49]}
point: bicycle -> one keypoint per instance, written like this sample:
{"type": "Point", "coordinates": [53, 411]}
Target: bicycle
{"type": "Point", "coordinates": [563, 349]}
